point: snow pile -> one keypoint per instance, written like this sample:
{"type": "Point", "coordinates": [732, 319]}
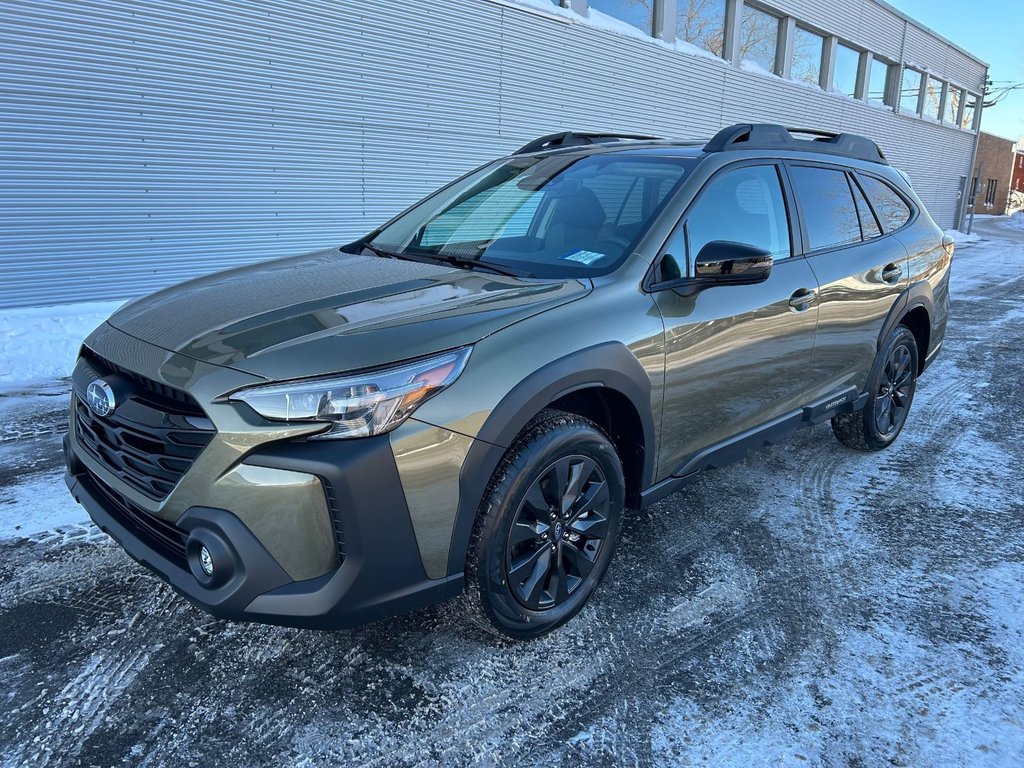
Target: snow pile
{"type": "Point", "coordinates": [1016, 221]}
{"type": "Point", "coordinates": [962, 238]}
{"type": "Point", "coordinates": [40, 344]}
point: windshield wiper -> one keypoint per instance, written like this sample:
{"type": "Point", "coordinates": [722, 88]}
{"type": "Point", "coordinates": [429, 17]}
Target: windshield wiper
{"type": "Point", "coordinates": [457, 261]}
{"type": "Point", "coordinates": [381, 252]}
{"type": "Point", "coordinates": [454, 261]}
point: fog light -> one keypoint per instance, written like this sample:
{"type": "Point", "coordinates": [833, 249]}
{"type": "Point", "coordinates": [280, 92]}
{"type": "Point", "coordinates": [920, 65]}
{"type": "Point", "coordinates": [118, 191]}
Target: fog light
{"type": "Point", "coordinates": [206, 561]}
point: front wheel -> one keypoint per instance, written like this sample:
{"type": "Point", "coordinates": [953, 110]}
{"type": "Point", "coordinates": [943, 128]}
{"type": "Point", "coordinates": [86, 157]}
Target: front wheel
{"type": "Point", "coordinates": [891, 386]}
{"type": "Point", "coordinates": [547, 527]}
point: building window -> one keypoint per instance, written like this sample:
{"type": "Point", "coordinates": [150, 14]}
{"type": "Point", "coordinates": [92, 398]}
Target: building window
{"type": "Point", "coordinates": [807, 52]}
{"type": "Point", "coordinates": [844, 77]}
{"type": "Point", "coordinates": [970, 106]}
{"type": "Point", "coordinates": [933, 99]}
{"type": "Point", "coordinates": [879, 82]}
{"type": "Point", "coordinates": [637, 13]}
{"type": "Point", "coordinates": [759, 38]}
{"type": "Point", "coordinates": [990, 193]}
{"type": "Point", "coordinates": [702, 23]}
{"type": "Point", "coordinates": [910, 91]}
{"type": "Point", "coordinates": [953, 98]}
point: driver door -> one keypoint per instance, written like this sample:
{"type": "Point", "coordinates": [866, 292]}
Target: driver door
{"type": "Point", "coordinates": [736, 356]}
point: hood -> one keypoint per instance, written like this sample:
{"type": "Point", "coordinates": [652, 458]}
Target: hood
{"type": "Point", "coordinates": [331, 311]}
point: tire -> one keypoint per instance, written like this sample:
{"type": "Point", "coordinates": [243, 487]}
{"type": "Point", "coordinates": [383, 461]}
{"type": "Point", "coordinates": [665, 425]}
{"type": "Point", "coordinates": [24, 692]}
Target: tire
{"type": "Point", "coordinates": [537, 554]}
{"type": "Point", "coordinates": [891, 385]}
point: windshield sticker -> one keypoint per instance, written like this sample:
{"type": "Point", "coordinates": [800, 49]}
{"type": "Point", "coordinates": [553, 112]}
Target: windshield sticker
{"type": "Point", "coordinates": [584, 257]}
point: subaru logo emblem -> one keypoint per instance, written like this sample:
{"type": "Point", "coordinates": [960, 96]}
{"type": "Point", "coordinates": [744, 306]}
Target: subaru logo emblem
{"type": "Point", "coordinates": [101, 398]}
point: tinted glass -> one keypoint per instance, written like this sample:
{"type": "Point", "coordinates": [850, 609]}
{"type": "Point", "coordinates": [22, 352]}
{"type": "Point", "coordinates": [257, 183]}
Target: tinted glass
{"type": "Point", "coordinates": [827, 206]}
{"type": "Point", "coordinates": [759, 38]}
{"type": "Point", "coordinates": [554, 216]}
{"type": "Point", "coordinates": [933, 99]}
{"type": "Point", "coordinates": [741, 206]}
{"type": "Point", "coordinates": [807, 50]}
{"type": "Point", "coordinates": [844, 79]}
{"type": "Point", "coordinates": [953, 99]}
{"type": "Point", "coordinates": [702, 23]}
{"type": "Point", "coordinates": [868, 223]}
{"type": "Point", "coordinates": [638, 13]}
{"type": "Point", "coordinates": [878, 82]}
{"type": "Point", "coordinates": [890, 207]}
{"type": "Point", "coordinates": [967, 120]}
{"type": "Point", "coordinates": [910, 90]}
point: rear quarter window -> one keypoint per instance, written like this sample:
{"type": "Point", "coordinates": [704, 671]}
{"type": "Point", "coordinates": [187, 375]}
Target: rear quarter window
{"type": "Point", "coordinates": [893, 211]}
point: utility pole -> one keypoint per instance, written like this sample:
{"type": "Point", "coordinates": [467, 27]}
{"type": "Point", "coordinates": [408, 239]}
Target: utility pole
{"type": "Point", "coordinates": [973, 202]}
{"type": "Point", "coordinates": [974, 156]}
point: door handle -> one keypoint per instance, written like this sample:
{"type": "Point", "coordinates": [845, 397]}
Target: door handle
{"type": "Point", "coordinates": [891, 273]}
{"type": "Point", "coordinates": [801, 300]}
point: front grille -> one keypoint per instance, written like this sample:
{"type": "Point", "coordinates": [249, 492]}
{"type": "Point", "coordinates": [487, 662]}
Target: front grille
{"type": "Point", "coordinates": [151, 439]}
{"type": "Point", "coordinates": [160, 535]}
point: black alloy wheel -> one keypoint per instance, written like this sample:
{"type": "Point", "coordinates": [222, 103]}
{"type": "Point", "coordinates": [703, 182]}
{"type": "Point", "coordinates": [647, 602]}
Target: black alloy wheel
{"type": "Point", "coordinates": [558, 533]}
{"type": "Point", "coordinates": [892, 401]}
{"type": "Point", "coordinates": [888, 394]}
{"type": "Point", "coordinates": [547, 527]}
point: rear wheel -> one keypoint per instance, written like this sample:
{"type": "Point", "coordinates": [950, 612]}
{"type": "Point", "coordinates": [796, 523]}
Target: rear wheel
{"type": "Point", "coordinates": [547, 528]}
{"type": "Point", "coordinates": [891, 386]}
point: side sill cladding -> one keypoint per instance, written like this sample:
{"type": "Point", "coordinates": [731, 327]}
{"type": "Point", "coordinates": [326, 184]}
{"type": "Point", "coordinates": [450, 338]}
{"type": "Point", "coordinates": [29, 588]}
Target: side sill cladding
{"type": "Point", "coordinates": [610, 365]}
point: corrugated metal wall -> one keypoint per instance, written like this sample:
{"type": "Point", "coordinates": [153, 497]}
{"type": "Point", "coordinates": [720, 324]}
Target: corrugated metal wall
{"type": "Point", "coordinates": [144, 142]}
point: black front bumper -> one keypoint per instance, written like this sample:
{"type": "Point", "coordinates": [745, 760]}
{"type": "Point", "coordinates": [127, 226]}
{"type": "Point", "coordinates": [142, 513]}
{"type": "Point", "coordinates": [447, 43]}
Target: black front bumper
{"type": "Point", "coordinates": [381, 573]}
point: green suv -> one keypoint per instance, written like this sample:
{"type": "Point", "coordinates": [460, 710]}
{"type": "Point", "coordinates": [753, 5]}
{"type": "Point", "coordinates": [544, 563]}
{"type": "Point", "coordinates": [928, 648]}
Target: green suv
{"type": "Point", "coordinates": [467, 400]}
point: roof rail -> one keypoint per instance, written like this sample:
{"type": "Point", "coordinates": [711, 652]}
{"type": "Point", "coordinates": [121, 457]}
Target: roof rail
{"type": "Point", "coordinates": [577, 138]}
{"type": "Point", "coordinates": [771, 136]}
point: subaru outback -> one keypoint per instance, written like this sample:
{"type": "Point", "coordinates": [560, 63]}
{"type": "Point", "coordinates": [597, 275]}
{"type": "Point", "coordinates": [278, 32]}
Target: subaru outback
{"type": "Point", "coordinates": [466, 401]}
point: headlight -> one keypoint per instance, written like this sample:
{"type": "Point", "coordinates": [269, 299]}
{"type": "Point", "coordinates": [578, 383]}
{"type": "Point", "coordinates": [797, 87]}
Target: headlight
{"type": "Point", "coordinates": [361, 404]}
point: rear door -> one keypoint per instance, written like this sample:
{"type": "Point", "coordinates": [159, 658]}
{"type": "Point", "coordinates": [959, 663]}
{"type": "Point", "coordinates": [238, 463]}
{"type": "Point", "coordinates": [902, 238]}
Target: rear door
{"type": "Point", "coordinates": [736, 356]}
{"type": "Point", "coordinates": [861, 270]}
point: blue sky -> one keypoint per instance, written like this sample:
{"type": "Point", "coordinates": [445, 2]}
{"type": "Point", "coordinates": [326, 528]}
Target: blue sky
{"type": "Point", "coordinates": [991, 30]}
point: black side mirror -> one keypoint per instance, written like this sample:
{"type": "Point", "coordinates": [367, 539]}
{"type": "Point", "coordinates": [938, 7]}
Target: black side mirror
{"type": "Point", "coordinates": [721, 262]}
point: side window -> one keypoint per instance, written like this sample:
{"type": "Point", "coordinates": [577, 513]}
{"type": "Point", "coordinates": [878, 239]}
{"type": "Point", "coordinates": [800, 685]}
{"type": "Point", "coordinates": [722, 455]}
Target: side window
{"type": "Point", "coordinates": [741, 206]}
{"type": "Point", "coordinates": [868, 223]}
{"type": "Point", "coordinates": [892, 209]}
{"type": "Point", "coordinates": [826, 205]}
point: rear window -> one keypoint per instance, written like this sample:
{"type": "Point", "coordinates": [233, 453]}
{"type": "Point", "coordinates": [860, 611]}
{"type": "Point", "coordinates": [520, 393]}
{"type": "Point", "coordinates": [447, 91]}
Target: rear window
{"type": "Point", "coordinates": [891, 208]}
{"type": "Point", "coordinates": [829, 212]}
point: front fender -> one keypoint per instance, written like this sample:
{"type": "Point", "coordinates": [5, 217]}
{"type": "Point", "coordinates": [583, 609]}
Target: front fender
{"type": "Point", "coordinates": [611, 365]}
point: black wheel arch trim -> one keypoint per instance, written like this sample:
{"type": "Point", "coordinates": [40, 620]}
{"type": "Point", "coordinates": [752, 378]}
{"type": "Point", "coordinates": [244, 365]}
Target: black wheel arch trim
{"type": "Point", "coordinates": [611, 366]}
{"type": "Point", "coordinates": [916, 295]}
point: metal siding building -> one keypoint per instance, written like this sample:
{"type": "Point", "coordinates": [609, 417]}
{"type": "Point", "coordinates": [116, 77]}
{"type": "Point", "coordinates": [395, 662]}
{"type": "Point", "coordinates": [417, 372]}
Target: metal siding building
{"type": "Point", "coordinates": [145, 142]}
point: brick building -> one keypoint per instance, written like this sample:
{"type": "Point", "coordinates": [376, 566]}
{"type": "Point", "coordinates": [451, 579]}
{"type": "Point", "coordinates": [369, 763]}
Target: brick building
{"type": "Point", "coordinates": [992, 173]}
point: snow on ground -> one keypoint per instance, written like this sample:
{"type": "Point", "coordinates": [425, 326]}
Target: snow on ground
{"type": "Point", "coordinates": [38, 505]}
{"type": "Point", "coordinates": [40, 344]}
{"type": "Point", "coordinates": [809, 605]}
{"type": "Point", "coordinates": [962, 238]}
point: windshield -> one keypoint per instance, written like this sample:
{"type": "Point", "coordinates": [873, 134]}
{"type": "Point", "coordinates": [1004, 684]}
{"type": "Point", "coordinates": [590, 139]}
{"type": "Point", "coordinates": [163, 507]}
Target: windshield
{"type": "Point", "coordinates": [563, 215]}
